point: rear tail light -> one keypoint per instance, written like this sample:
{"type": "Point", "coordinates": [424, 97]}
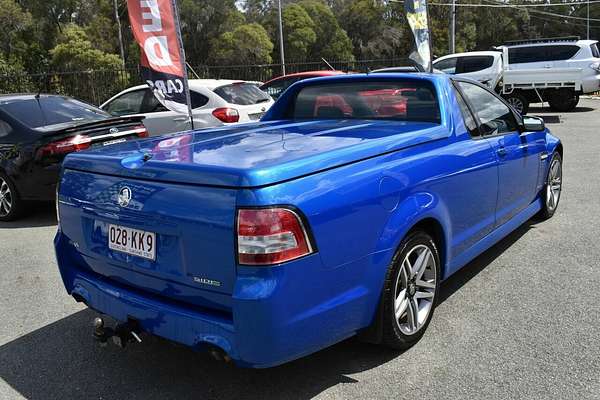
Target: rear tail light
{"type": "Point", "coordinates": [271, 236]}
{"type": "Point", "coordinates": [226, 114]}
{"type": "Point", "coordinates": [65, 146]}
{"type": "Point", "coordinates": [141, 131]}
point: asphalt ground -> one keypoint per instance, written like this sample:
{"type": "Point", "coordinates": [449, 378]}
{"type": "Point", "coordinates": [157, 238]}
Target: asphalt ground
{"type": "Point", "coordinates": [522, 321]}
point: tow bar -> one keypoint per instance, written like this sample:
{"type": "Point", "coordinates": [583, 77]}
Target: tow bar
{"type": "Point", "coordinates": [120, 335]}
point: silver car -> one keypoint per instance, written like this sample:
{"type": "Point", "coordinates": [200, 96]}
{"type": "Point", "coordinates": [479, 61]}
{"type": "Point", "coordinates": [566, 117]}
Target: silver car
{"type": "Point", "coordinates": [215, 102]}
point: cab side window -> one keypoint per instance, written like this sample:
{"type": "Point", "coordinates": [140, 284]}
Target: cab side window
{"type": "Point", "coordinates": [447, 66]}
{"type": "Point", "coordinates": [470, 122]}
{"type": "Point", "coordinates": [494, 116]}
{"type": "Point", "coordinates": [127, 103]}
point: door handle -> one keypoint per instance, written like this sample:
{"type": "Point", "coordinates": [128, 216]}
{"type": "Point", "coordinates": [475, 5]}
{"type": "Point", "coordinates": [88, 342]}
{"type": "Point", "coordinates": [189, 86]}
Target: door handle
{"type": "Point", "coordinates": [501, 151]}
{"type": "Point", "coordinates": [181, 119]}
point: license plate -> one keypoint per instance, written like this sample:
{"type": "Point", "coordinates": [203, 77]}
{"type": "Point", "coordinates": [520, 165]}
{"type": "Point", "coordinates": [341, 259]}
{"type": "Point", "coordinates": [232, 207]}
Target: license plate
{"type": "Point", "coordinates": [111, 142]}
{"type": "Point", "coordinates": [132, 241]}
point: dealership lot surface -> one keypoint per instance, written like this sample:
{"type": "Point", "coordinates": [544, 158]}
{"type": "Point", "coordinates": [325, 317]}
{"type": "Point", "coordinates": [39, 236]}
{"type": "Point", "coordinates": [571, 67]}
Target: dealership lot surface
{"type": "Point", "coordinates": [521, 321]}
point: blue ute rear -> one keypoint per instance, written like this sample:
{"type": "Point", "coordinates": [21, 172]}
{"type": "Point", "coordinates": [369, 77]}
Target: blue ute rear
{"type": "Point", "coordinates": [187, 192]}
{"type": "Point", "coordinates": [269, 241]}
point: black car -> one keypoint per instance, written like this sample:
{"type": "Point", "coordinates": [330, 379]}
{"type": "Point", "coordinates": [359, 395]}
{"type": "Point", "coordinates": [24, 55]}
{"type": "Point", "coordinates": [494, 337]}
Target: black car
{"type": "Point", "coordinates": [37, 132]}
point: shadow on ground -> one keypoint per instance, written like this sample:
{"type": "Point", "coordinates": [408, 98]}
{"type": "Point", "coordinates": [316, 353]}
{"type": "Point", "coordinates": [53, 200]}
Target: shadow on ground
{"type": "Point", "coordinates": [61, 360]}
{"type": "Point", "coordinates": [35, 215]}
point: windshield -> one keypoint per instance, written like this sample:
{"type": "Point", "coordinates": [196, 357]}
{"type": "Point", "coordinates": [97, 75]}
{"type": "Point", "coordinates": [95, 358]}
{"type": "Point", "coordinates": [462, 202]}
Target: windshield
{"type": "Point", "coordinates": [243, 94]}
{"type": "Point", "coordinates": [51, 110]}
{"type": "Point", "coordinates": [400, 100]}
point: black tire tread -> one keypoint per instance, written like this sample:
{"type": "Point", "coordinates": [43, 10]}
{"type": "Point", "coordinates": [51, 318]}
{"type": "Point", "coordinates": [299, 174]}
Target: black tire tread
{"type": "Point", "coordinates": [17, 206]}
{"type": "Point", "coordinates": [391, 336]}
{"type": "Point", "coordinates": [546, 213]}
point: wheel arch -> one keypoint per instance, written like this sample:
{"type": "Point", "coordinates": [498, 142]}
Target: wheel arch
{"type": "Point", "coordinates": [559, 150]}
{"type": "Point", "coordinates": [420, 211]}
{"type": "Point", "coordinates": [430, 222]}
{"type": "Point", "coordinates": [433, 228]}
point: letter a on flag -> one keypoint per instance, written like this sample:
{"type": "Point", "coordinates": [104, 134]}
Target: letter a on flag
{"type": "Point", "coordinates": [155, 25]}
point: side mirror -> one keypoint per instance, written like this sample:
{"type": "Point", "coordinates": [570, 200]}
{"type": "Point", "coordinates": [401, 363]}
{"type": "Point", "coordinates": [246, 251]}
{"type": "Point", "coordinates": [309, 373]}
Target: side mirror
{"type": "Point", "coordinates": [533, 124]}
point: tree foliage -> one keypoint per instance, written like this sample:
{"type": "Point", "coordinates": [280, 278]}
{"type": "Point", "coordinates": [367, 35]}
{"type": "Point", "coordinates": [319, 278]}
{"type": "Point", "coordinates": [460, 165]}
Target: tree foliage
{"type": "Point", "coordinates": [331, 42]}
{"type": "Point", "coordinates": [39, 36]}
{"type": "Point", "coordinates": [75, 52]}
{"type": "Point", "coordinates": [13, 21]}
{"type": "Point", "coordinates": [246, 44]}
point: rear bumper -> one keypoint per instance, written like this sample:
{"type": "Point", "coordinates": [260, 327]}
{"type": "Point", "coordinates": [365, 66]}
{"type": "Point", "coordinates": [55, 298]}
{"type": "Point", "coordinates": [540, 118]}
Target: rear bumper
{"type": "Point", "coordinates": [270, 321]}
{"type": "Point", "coordinates": [590, 84]}
{"type": "Point", "coordinates": [38, 183]}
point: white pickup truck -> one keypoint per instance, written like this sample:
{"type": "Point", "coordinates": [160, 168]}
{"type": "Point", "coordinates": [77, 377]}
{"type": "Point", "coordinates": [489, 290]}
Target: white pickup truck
{"type": "Point", "coordinates": [556, 71]}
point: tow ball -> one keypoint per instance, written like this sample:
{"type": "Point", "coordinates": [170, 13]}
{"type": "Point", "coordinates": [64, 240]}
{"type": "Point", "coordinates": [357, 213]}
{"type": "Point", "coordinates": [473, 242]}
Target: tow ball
{"type": "Point", "coordinates": [120, 335]}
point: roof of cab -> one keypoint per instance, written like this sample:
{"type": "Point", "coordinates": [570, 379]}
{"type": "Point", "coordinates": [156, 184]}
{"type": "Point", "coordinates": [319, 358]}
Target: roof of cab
{"type": "Point", "coordinates": [6, 98]}
{"type": "Point", "coordinates": [319, 73]}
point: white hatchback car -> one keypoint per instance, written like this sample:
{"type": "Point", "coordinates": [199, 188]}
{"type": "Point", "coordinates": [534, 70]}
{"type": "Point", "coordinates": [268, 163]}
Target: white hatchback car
{"type": "Point", "coordinates": [482, 66]}
{"type": "Point", "coordinates": [215, 102]}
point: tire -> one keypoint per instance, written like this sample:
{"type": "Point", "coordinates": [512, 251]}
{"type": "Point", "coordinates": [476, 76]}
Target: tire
{"type": "Point", "coordinates": [518, 102]}
{"type": "Point", "coordinates": [403, 289]}
{"type": "Point", "coordinates": [11, 205]}
{"type": "Point", "coordinates": [563, 101]}
{"type": "Point", "coordinates": [552, 188]}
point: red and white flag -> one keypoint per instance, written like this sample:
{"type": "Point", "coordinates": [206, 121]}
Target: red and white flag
{"type": "Point", "coordinates": [155, 25]}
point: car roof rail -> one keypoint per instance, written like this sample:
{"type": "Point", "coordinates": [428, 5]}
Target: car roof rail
{"type": "Point", "coordinates": [542, 40]}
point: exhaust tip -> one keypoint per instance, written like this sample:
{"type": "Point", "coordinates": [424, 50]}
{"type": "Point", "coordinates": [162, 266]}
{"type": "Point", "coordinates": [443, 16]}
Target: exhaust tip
{"type": "Point", "coordinates": [219, 354]}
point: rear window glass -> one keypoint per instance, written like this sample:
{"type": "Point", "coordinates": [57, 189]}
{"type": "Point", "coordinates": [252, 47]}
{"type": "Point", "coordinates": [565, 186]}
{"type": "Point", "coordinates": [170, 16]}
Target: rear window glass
{"type": "Point", "coordinates": [276, 88]}
{"type": "Point", "coordinates": [401, 100]}
{"type": "Point", "coordinates": [595, 52]}
{"type": "Point", "coordinates": [243, 94]}
{"type": "Point", "coordinates": [46, 111]}
{"type": "Point", "coordinates": [517, 55]}
{"type": "Point", "coordinates": [474, 63]}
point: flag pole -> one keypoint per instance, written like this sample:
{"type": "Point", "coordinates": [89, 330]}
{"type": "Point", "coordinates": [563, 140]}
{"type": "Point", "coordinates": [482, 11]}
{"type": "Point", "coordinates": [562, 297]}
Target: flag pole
{"type": "Point", "coordinates": [183, 63]}
{"type": "Point", "coordinates": [429, 33]}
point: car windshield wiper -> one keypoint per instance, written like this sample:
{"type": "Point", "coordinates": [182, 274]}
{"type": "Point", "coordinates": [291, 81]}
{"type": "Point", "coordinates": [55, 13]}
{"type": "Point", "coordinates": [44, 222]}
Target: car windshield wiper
{"type": "Point", "coordinates": [261, 101]}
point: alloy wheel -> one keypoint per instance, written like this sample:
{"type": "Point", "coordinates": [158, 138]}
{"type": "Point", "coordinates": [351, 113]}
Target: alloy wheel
{"type": "Point", "coordinates": [6, 199]}
{"type": "Point", "coordinates": [554, 184]}
{"type": "Point", "coordinates": [516, 103]}
{"type": "Point", "coordinates": [415, 289]}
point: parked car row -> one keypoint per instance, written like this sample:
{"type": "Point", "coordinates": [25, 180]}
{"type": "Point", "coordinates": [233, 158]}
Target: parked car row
{"type": "Point", "coordinates": [38, 130]}
{"type": "Point", "coordinates": [556, 71]}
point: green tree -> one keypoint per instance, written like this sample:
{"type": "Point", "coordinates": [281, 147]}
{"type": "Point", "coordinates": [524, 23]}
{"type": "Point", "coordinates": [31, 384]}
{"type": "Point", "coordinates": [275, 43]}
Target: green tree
{"type": "Point", "coordinates": [298, 32]}
{"type": "Point", "coordinates": [246, 44]}
{"type": "Point", "coordinates": [204, 20]}
{"type": "Point", "coordinates": [13, 21]}
{"type": "Point", "coordinates": [75, 52]}
{"type": "Point", "coordinates": [376, 29]}
{"type": "Point", "coordinates": [332, 42]}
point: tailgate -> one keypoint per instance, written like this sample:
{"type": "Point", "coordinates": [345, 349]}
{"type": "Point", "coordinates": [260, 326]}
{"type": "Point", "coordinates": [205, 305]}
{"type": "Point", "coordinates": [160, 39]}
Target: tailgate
{"type": "Point", "coordinates": [193, 227]}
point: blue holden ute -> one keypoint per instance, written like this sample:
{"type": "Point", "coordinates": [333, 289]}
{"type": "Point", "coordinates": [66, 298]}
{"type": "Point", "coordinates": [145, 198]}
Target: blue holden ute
{"type": "Point", "coordinates": [339, 213]}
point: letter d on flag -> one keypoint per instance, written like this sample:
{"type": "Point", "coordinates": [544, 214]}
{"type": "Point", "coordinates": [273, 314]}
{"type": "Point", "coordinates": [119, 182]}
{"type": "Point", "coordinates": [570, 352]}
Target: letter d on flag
{"type": "Point", "coordinates": [155, 25]}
